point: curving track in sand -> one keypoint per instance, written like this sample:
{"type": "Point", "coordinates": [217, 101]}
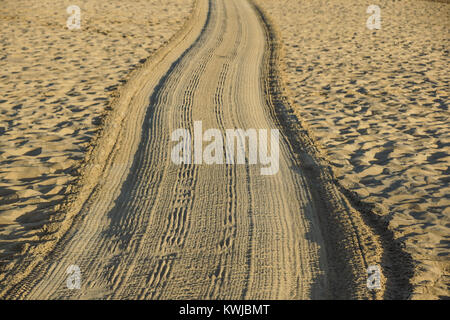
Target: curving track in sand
{"type": "Point", "coordinates": [150, 229]}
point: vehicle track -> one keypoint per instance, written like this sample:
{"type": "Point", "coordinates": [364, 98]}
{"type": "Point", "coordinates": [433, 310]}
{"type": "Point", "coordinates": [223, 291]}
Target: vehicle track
{"type": "Point", "coordinates": [151, 229]}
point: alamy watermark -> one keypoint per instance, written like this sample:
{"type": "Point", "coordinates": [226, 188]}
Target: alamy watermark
{"type": "Point", "coordinates": [374, 277]}
{"type": "Point", "coordinates": [374, 21]}
{"type": "Point", "coordinates": [74, 20]}
{"type": "Point", "coordinates": [74, 279]}
{"type": "Point", "coordinates": [230, 148]}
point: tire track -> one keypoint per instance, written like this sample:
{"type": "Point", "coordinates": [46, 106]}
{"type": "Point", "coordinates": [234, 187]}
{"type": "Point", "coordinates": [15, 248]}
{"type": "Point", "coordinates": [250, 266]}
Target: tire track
{"type": "Point", "coordinates": [154, 230]}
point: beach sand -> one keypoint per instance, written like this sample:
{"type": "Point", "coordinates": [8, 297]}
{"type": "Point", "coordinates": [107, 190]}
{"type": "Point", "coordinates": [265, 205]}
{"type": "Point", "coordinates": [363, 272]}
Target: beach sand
{"type": "Point", "coordinates": [142, 226]}
{"type": "Point", "coordinates": [55, 85]}
{"type": "Point", "coordinates": [377, 103]}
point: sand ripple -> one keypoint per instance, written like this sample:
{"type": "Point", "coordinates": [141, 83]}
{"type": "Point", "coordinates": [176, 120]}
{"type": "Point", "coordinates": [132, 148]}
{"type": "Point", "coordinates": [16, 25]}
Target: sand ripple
{"type": "Point", "coordinates": [377, 101]}
{"type": "Point", "coordinates": [54, 86]}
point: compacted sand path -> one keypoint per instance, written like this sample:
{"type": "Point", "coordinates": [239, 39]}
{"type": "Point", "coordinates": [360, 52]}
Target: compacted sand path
{"type": "Point", "coordinates": [148, 228]}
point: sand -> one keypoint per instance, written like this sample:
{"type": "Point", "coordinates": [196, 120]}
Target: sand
{"type": "Point", "coordinates": [377, 103]}
{"type": "Point", "coordinates": [143, 227]}
{"type": "Point", "coordinates": [55, 85]}
{"type": "Point", "coordinates": [104, 195]}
